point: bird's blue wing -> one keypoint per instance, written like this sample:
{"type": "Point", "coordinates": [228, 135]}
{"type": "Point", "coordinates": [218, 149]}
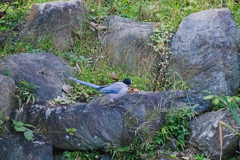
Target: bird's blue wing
{"type": "Point", "coordinates": [109, 91]}
{"type": "Point", "coordinates": [113, 88]}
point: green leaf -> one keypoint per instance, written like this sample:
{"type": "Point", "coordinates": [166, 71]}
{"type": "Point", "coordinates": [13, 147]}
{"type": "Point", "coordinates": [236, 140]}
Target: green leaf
{"type": "Point", "coordinates": [17, 124]}
{"type": "Point", "coordinates": [28, 135]}
{"type": "Point", "coordinates": [125, 1]}
{"type": "Point", "coordinates": [3, 29]}
{"type": "Point", "coordinates": [215, 101]}
{"type": "Point", "coordinates": [28, 99]}
{"type": "Point", "coordinates": [151, 7]}
{"type": "Point", "coordinates": [29, 125]}
{"type": "Point", "coordinates": [233, 110]}
{"type": "Point", "coordinates": [229, 99]}
{"type": "Point", "coordinates": [237, 99]}
{"type": "Point", "coordinates": [33, 99]}
{"type": "Point", "coordinates": [71, 131]}
{"type": "Point", "coordinates": [74, 129]}
{"type": "Point", "coordinates": [20, 129]}
{"type": "Point", "coordinates": [7, 118]}
{"type": "Point", "coordinates": [23, 82]}
{"type": "Point", "coordinates": [170, 5]}
{"type": "Point", "coordinates": [209, 97]}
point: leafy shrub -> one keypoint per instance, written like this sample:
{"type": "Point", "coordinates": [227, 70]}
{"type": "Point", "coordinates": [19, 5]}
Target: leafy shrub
{"type": "Point", "coordinates": [176, 127]}
{"type": "Point", "coordinates": [25, 91]}
{"type": "Point", "coordinates": [3, 121]}
{"type": "Point", "coordinates": [21, 127]}
{"type": "Point", "coordinates": [83, 155]}
{"type": "Point", "coordinates": [71, 131]}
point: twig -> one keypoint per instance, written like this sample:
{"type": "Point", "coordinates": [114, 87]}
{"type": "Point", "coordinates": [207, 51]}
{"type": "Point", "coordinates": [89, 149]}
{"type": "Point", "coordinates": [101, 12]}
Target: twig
{"type": "Point", "coordinates": [7, 129]}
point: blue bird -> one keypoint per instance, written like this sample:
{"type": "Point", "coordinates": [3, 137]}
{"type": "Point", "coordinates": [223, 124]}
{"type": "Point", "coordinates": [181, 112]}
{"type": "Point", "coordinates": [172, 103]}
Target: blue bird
{"type": "Point", "coordinates": [113, 91]}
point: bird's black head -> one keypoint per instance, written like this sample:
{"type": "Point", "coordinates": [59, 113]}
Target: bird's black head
{"type": "Point", "coordinates": [127, 81]}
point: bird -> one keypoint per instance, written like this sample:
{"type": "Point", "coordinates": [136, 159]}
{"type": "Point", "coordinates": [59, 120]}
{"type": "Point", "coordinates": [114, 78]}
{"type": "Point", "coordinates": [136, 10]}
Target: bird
{"type": "Point", "coordinates": [113, 91]}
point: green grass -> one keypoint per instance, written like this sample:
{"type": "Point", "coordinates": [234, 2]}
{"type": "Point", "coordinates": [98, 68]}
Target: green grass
{"type": "Point", "coordinates": [168, 13]}
{"type": "Point", "coordinates": [16, 12]}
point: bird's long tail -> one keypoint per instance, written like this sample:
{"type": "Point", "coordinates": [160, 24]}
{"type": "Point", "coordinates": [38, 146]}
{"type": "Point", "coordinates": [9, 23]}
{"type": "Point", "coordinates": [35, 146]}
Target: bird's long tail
{"type": "Point", "coordinates": [85, 83]}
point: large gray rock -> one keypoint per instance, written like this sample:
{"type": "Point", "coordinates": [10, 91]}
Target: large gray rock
{"type": "Point", "coordinates": [205, 134]}
{"type": "Point", "coordinates": [44, 70]}
{"type": "Point", "coordinates": [16, 147]}
{"type": "Point", "coordinates": [126, 42]}
{"type": "Point", "coordinates": [205, 52]}
{"type": "Point", "coordinates": [7, 99]}
{"type": "Point", "coordinates": [100, 124]}
{"type": "Point", "coordinates": [55, 19]}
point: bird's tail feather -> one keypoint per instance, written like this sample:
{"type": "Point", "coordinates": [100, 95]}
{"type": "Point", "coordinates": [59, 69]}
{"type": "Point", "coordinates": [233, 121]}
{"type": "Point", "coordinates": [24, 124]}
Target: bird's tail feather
{"type": "Point", "coordinates": [85, 83]}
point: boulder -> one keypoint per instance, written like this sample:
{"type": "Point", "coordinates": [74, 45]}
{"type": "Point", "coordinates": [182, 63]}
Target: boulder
{"type": "Point", "coordinates": [55, 19]}
{"type": "Point", "coordinates": [186, 99]}
{"type": "Point", "coordinates": [16, 147]}
{"type": "Point", "coordinates": [205, 52]}
{"type": "Point", "coordinates": [100, 124]}
{"type": "Point", "coordinates": [205, 134]}
{"type": "Point", "coordinates": [7, 100]}
{"type": "Point", "coordinates": [45, 70]}
{"type": "Point", "coordinates": [126, 42]}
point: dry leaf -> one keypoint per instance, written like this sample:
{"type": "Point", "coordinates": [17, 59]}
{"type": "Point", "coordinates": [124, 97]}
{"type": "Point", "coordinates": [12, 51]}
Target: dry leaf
{"type": "Point", "coordinates": [52, 103]}
{"type": "Point", "coordinates": [102, 28]}
{"type": "Point", "coordinates": [94, 25]}
{"type": "Point", "coordinates": [92, 29]}
{"type": "Point", "coordinates": [64, 95]}
{"type": "Point", "coordinates": [101, 83]}
{"type": "Point", "coordinates": [113, 76]}
{"type": "Point", "coordinates": [134, 90]}
{"type": "Point", "coordinates": [101, 17]}
{"type": "Point", "coordinates": [78, 68]}
{"type": "Point", "coordinates": [68, 89]}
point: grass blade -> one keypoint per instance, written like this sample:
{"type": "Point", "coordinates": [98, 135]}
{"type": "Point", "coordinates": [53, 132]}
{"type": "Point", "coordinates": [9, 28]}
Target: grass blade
{"type": "Point", "coordinates": [233, 110]}
{"type": "Point", "coordinates": [220, 137]}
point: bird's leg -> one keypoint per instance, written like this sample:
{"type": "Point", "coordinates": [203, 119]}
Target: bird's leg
{"type": "Point", "coordinates": [111, 103]}
{"type": "Point", "coordinates": [107, 102]}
